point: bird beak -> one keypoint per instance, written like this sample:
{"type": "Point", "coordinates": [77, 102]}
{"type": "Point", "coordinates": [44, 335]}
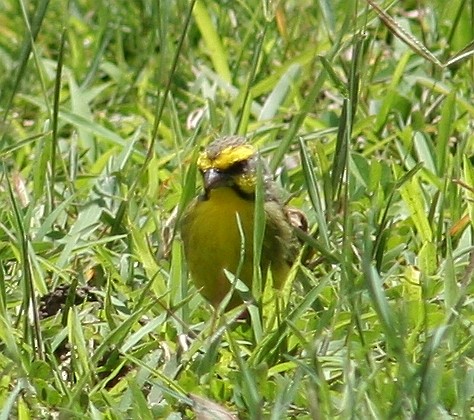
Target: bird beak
{"type": "Point", "coordinates": [214, 178]}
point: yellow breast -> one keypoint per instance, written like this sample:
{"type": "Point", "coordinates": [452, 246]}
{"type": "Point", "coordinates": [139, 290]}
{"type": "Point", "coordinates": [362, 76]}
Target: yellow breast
{"type": "Point", "coordinates": [213, 242]}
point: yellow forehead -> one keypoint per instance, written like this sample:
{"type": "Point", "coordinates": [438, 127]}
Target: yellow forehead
{"type": "Point", "coordinates": [226, 158]}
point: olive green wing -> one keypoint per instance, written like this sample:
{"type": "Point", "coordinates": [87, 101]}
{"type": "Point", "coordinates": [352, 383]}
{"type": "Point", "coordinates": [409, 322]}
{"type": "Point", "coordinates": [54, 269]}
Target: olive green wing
{"type": "Point", "coordinates": [280, 245]}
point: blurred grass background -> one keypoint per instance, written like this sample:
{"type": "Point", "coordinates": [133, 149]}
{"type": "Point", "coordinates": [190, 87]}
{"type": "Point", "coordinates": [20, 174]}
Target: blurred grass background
{"type": "Point", "coordinates": [365, 113]}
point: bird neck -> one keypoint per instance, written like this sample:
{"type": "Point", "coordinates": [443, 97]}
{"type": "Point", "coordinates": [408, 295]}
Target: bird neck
{"type": "Point", "coordinates": [206, 195]}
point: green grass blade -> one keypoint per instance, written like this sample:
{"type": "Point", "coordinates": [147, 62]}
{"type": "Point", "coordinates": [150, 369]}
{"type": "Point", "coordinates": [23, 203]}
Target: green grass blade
{"type": "Point", "coordinates": [26, 48]}
{"type": "Point", "coordinates": [413, 197]}
{"type": "Point", "coordinates": [212, 40]}
{"type": "Point", "coordinates": [313, 191]}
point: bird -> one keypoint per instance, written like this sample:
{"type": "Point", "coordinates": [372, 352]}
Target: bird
{"type": "Point", "coordinates": [217, 226]}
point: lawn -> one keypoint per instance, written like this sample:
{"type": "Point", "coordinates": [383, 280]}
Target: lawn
{"type": "Point", "coordinates": [363, 109]}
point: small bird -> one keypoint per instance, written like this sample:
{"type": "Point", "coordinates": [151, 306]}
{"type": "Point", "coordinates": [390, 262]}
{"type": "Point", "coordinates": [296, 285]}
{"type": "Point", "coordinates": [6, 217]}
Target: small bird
{"type": "Point", "coordinates": [210, 229]}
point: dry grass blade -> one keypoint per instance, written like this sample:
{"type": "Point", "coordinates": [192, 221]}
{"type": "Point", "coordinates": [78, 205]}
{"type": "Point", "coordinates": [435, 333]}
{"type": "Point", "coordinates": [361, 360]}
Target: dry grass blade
{"type": "Point", "coordinates": [206, 409]}
{"type": "Point", "coordinates": [464, 54]}
{"type": "Point", "coordinates": [403, 35]}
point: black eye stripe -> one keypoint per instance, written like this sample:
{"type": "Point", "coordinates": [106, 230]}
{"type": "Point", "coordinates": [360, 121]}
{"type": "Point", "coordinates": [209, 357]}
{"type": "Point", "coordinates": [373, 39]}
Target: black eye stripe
{"type": "Point", "coordinates": [236, 167]}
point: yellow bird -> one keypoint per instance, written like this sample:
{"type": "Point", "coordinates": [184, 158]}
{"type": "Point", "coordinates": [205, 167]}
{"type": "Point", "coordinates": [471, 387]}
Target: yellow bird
{"type": "Point", "coordinates": [210, 230]}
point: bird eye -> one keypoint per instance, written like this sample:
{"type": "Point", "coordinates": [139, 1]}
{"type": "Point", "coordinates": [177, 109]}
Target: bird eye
{"type": "Point", "coordinates": [236, 167]}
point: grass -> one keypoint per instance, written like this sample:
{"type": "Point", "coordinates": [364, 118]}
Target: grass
{"type": "Point", "coordinates": [363, 109]}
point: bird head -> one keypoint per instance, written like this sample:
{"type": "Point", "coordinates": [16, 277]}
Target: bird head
{"type": "Point", "coordinates": [229, 162]}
